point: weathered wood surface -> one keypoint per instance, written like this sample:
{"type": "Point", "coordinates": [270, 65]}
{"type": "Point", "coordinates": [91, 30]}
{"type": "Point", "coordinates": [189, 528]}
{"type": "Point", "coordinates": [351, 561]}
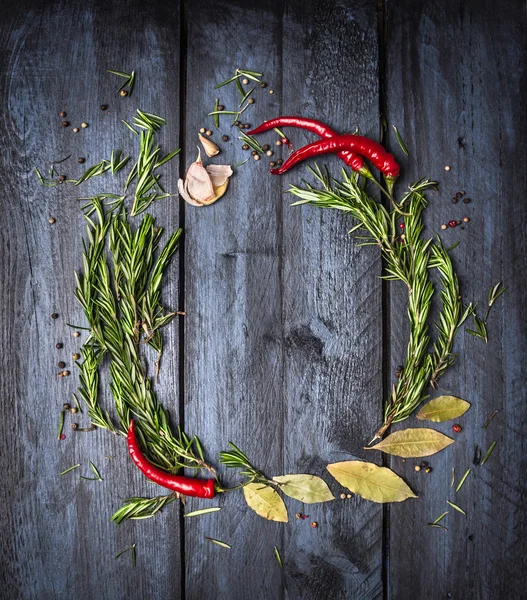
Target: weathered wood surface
{"type": "Point", "coordinates": [286, 349]}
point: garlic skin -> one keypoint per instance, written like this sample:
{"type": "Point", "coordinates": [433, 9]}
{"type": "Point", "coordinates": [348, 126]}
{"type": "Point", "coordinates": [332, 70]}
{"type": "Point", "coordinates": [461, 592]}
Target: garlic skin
{"type": "Point", "coordinates": [203, 186]}
{"type": "Point", "coordinates": [209, 146]}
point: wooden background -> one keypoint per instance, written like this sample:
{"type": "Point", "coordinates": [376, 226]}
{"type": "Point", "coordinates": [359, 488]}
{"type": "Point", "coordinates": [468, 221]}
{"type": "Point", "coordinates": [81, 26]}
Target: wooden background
{"type": "Point", "coordinates": [291, 339]}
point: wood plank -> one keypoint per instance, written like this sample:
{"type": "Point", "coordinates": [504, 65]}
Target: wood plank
{"type": "Point", "coordinates": [56, 535]}
{"type": "Point", "coordinates": [282, 336]}
{"type": "Point", "coordinates": [455, 72]}
{"type": "Point", "coordinates": [332, 309]}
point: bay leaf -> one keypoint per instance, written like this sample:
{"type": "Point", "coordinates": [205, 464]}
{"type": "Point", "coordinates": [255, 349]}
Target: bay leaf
{"type": "Point", "coordinates": [306, 488]}
{"type": "Point", "coordinates": [444, 408]}
{"type": "Point", "coordinates": [265, 501]}
{"type": "Point", "coordinates": [378, 484]}
{"type": "Point", "coordinates": [413, 443]}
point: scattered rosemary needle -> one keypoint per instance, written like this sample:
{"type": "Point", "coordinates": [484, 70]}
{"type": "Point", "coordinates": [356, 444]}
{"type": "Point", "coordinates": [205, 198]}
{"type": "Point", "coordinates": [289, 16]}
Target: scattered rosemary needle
{"type": "Point", "coordinates": [456, 507]}
{"type": "Point", "coordinates": [129, 549]}
{"type": "Point", "coordinates": [61, 424]}
{"type": "Point", "coordinates": [202, 511]}
{"type": "Point", "coordinates": [488, 453]}
{"type": "Point", "coordinates": [463, 479]}
{"type": "Point", "coordinates": [278, 557]}
{"type": "Point", "coordinates": [70, 469]}
{"type": "Point", "coordinates": [453, 477]}
{"type": "Point", "coordinates": [95, 472]}
{"type": "Point", "coordinates": [490, 419]}
{"type": "Point", "coordinates": [218, 542]}
{"type": "Point", "coordinates": [400, 140]}
{"type": "Point", "coordinates": [440, 518]}
{"type": "Point", "coordinates": [438, 525]}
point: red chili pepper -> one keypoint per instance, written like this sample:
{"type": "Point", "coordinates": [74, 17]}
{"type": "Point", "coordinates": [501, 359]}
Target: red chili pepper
{"type": "Point", "coordinates": [384, 161]}
{"type": "Point", "coordinates": [353, 160]}
{"type": "Point", "coordinates": [189, 486]}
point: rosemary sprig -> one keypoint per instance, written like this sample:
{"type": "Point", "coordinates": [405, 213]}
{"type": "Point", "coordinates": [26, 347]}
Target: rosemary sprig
{"type": "Point", "coordinates": [141, 508]}
{"type": "Point", "coordinates": [236, 459]}
{"type": "Point", "coordinates": [252, 142]}
{"type": "Point", "coordinates": [129, 80]}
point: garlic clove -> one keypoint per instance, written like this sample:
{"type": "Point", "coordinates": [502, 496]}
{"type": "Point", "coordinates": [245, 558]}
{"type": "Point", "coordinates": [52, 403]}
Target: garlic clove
{"type": "Point", "coordinates": [185, 195]}
{"type": "Point", "coordinates": [209, 146]}
{"type": "Point", "coordinates": [198, 183]}
{"type": "Point", "coordinates": [219, 174]}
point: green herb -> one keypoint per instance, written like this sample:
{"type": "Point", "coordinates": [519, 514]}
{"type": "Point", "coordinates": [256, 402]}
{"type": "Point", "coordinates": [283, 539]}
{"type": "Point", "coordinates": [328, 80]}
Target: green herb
{"type": "Point", "coordinates": [456, 507]}
{"type": "Point", "coordinates": [70, 469]}
{"type": "Point", "coordinates": [495, 292]}
{"type": "Point", "coordinates": [462, 481]}
{"type": "Point", "coordinates": [278, 557]}
{"type": "Point", "coordinates": [216, 115]}
{"type": "Point", "coordinates": [129, 80]}
{"type": "Point", "coordinates": [202, 511]}
{"type": "Point", "coordinates": [94, 171]}
{"type": "Point", "coordinates": [241, 163]}
{"type": "Point", "coordinates": [440, 518]}
{"type": "Point", "coordinates": [438, 526]}
{"type": "Point", "coordinates": [488, 453]}
{"type": "Point", "coordinates": [480, 328]}
{"type": "Point", "coordinates": [236, 459]}
{"type": "Point", "coordinates": [132, 550]}
{"type": "Point", "coordinates": [453, 477]}
{"type": "Point", "coordinates": [95, 472]}
{"type": "Point", "coordinates": [44, 181]}
{"type": "Point", "coordinates": [490, 419]}
{"type": "Point", "coordinates": [240, 73]}
{"type": "Point", "coordinates": [218, 542]}
{"type": "Point", "coordinates": [252, 142]}
{"type": "Point", "coordinates": [245, 96]}
{"type": "Point", "coordinates": [141, 508]}
{"type": "Point", "coordinates": [61, 424]}
{"type": "Point", "coordinates": [400, 140]}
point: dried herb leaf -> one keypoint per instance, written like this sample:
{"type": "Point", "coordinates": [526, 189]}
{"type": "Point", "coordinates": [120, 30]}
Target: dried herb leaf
{"type": "Point", "coordinates": [443, 409]}
{"type": "Point", "coordinates": [463, 479]}
{"type": "Point", "coordinates": [265, 501]}
{"type": "Point", "coordinates": [202, 511]}
{"type": "Point", "coordinates": [306, 488]}
{"type": "Point", "coordinates": [456, 507]}
{"type": "Point", "coordinates": [413, 443]}
{"type": "Point", "coordinates": [370, 481]}
{"type": "Point", "coordinates": [488, 453]}
{"type": "Point", "coordinates": [278, 557]}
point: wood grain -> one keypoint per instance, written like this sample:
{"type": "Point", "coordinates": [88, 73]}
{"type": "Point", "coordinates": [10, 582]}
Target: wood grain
{"type": "Point", "coordinates": [454, 81]}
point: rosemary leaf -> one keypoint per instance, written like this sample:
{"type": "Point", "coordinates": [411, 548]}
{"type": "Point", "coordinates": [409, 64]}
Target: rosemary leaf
{"type": "Point", "coordinates": [218, 542]}
{"type": "Point", "coordinates": [463, 479]}
{"type": "Point", "coordinates": [216, 115]}
{"type": "Point", "coordinates": [456, 507]}
{"type": "Point", "coordinates": [61, 424]}
{"type": "Point", "coordinates": [488, 453]}
{"type": "Point", "coordinates": [278, 557]}
{"type": "Point", "coordinates": [202, 511]}
{"type": "Point", "coordinates": [400, 140]}
{"type": "Point", "coordinates": [69, 469]}
{"type": "Point", "coordinates": [441, 517]}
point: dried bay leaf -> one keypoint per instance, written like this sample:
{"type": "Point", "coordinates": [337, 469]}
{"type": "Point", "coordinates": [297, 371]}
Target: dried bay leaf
{"type": "Point", "coordinates": [413, 443]}
{"type": "Point", "coordinates": [306, 488]}
{"type": "Point", "coordinates": [443, 409]}
{"type": "Point", "coordinates": [265, 501]}
{"type": "Point", "coordinates": [370, 481]}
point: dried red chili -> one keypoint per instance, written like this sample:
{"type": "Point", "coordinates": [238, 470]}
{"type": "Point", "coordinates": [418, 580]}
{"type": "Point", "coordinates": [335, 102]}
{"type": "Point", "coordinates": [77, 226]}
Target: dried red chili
{"type": "Point", "coordinates": [384, 161]}
{"type": "Point", "coordinates": [188, 486]}
{"type": "Point", "coordinates": [353, 160]}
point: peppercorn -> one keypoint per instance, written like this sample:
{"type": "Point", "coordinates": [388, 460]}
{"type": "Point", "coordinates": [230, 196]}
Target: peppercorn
{"type": "Point", "coordinates": [66, 373]}
{"type": "Point", "coordinates": [462, 227]}
{"type": "Point", "coordinates": [236, 123]}
{"type": "Point", "coordinates": [208, 132]}
{"type": "Point", "coordinates": [457, 428]}
{"type": "Point", "coordinates": [314, 524]}
{"type": "Point", "coordinates": [423, 464]}
{"type": "Point", "coordinates": [221, 107]}
{"type": "Point", "coordinates": [271, 91]}
{"type": "Point", "coordinates": [202, 130]}
{"type": "Point", "coordinates": [400, 368]}
{"type": "Point", "coordinates": [245, 147]}
{"type": "Point", "coordinates": [103, 107]}
{"type": "Point", "coordinates": [51, 220]}
{"type": "Point", "coordinates": [225, 138]}
{"type": "Point", "coordinates": [61, 374]}
{"type": "Point", "coordinates": [348, 495]}
{"type": "Point", "coordinates": [256, 157]}
{"type": "Point", "coordinates": [263, 84]}
{"type": "Point", "coordinates": [66, 406]}
{"type": "Point", "coordinates": [61, 364]}
{"type": "Point", "coordinates": [285, 140]}
{"type": "Point", "coordinates": [272, 164]}
{"type": "Point", "coordinates": [75, 356]}
{"type": "Point", "coordinates": [75, 130]}
{"type": "Point", "coordinates": [466, 200]}
{"type": "Point", "coordinates": [278, 143]}
{"type": "Point", "coordinates": [254, 153]}
{"type": "Point", "coordinates": [251, 101]}
{"type": "Point", "coordinates": [76, 334]}
{"type": "Point", "coordinates": [466, 219]}
{"type": "Point", "coordinates": [247, 126]}
{"type": "Point", "coordinates": [269, 153]}
{"type": "Point", "coordinates": [74, 426]}
{"type": "Point", "coordinates": [74, 410]}
{"type": "Point", "coordinates": [428, 470]}
{"type": "Point", "coordinates": [444, 226]}
{"type": "Point", "coordinates": [54, 315]}
{"type": "Point", "coordinates": [62, 114]}
{"type": "Point", "coordinates": [245, 81]}
{"type": "Point", "coordinates": [401, 225]}
{"type": "Point", "coordinates": [81, 160]}
{"type": "Point", "coordinates": [447, 168]}
{"type": "Point", "coordinates": [59, 345]}
{"type": "Point", "coordinates": [342, 496]}
{"type": "Point", "coordinates": [458, 195]}
{"type": "Point", "coordinates": [62, 178]}
{"type": "Point", "coordinates": [123, 93]}
{"type": "Point", "coordinates": [452, 223]}
{"type": "Point", "coordinates": [417, 468]}
{"type": "Point", "coordinates": [298, 516]}
{"type": "Point", "coordinates": [279, 161]}
{"type": "Point", "coordinates": [462, 192]}
{"type": "Point", "coordinates": [84, 125]}
{"type": "Point", "coordinates": [65, 123]}
{"type": "Point", "coordinates": [454, 200]}
{"type": "Point", "coordinates": [266, 147]}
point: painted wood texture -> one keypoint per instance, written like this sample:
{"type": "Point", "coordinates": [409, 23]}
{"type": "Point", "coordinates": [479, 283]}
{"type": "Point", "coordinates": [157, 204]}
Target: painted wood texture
{"type": "Point", "coordinates": [290, 337]}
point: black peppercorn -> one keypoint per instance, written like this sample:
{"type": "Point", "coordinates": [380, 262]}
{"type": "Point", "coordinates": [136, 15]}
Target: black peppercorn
{"type": "Point", "coordinates": [236, 123]}
{"type": "Point", "coordinates": [459, 194]}
{"type": "Point", "coordinates": [266, 147]}
{"type": "Point", "coordinates": [59, 345]}
{"type": "Point", "coordinates": [272, 164]}
{"type": "Point", "coordinates": [454, 200]}
{"type": "Point", "coordinates": [81, 160]}
{"type": "Point", "coordinates": [65, 123]}
{"type": "Point", "coordinates": [279, 161]}
{"type": "Point", "coordinates": [466, 200]}
{"type": "Point", "coordinates": [225, 138]}
{"type": "Point", "coordinates": [221, 107]}
{"type": "Point", "coordinates": [104, 107]}
{"type": "Point", "coordinates": [55, 315]}
{"type": "Point", "coordinates": [74, 426]}
{"type": "Point", "coordinates": [62, 178]}
{"type": "Point", "coordinates": [61, 364]}
{"type": "Point", "coordinates": [263, 84]}
{"type": "Point", "coordinates": [424, 464]}
{"type": "Point", "coordinates": [62, 114]}
{"type": "Point", "coordinates": [66, 406]}
{"type": "Point", "coordinates": [254, 153]}
{"type": "Point", "coordinates": [245, 147]}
